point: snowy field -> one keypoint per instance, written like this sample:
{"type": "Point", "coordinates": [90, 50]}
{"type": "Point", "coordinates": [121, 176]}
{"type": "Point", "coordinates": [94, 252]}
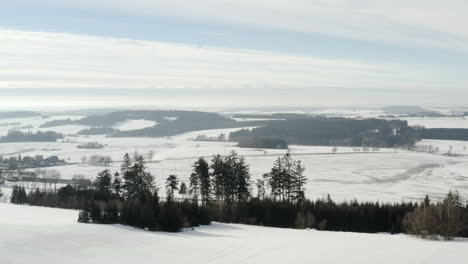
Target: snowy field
{"type": "Point", "coordinates": [384, 175]}
{"type": "Point", "coordinates": [33, 124]}
{"type": "Point", "coordinates": [441, 122]}
{"type": "Point", "coordinates": [46, 235]}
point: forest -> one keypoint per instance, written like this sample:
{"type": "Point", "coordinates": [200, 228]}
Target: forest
{"type": "Point", "coordinates": [445, 133]}
{"type": "Point", "coordinates": [221, 190]}
{"type": "Point", "coordinates": [39, 136]}
{"type": "Point", "coordinates": [334, 131]}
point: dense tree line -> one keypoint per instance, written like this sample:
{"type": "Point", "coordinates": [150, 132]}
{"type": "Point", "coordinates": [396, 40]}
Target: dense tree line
{"type": "Point", "coordinates": [324, 131]}
{"type": "Point", "coordinates": [60, 122]}
{"type": "Point", "coordinates": [18, 114]}
{"type": "Point", "coordinates": [39, 136]}
{"type": "Point", "coordinates": [448, 218]}
{"type": "Point", "coordinates": [98, 131]}
{"type": "Point", "coordinates": [221, 190]}
{"type": "Point", "coordinates": [445, 133]}
{"type": "Point", "coordinates": [260, 142]}
{"type": "Point", "coordinates": [169, 122]}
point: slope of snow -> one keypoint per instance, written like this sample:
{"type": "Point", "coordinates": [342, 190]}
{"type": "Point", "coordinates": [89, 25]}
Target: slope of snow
{"type": "Point", "coordinates": [134, 124]}
{"type": "Point", "coordinates": [46, 236]}
{"type": "Point", "coordinates": [384, 175]}
{"type": "Point", "coordinates": [33, 123]}
{"type": "Point", "coordinates": [441, 122]}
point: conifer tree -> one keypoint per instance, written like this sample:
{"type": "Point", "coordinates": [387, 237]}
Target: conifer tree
{"type": "Point", "coordinates": [242, 180]}
{"type": "Point", "coordinates": [171, 186]}
{"type": "Point", "coordinates": [218, 168]}
{"type": "Point", "coordinates": [194, 190]}
{"type": "Point", "coordinates": [260, 189]}
{"type": "Point", "coordinates": [201, 169]}
{"type": "Point", "coordinates": [299, 181]}
{"type": "Point", "coordinates": [117, 185]}
{"type": "Point", "coordinates": [104, 184]}
{"type": "Point", "coordinates": [183, 189]}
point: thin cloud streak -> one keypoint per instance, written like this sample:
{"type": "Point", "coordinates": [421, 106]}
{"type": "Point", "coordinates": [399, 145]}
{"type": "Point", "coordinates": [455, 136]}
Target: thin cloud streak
{"type": "Point", "coordinates": [51, 60]}
{"type": "Point", "coordinates": [432, 23]}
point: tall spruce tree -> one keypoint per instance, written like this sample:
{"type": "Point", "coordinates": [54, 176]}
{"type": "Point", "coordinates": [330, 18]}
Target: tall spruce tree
{"type": "Point", "coordinates": [104, 184]}
{"type": "Point", "coordinates": [242, 179]}
{"type": "Point", "coordinates": [117, 185]}
{"type": "Point", "coordinates": [286, 179]}
{"type": "Point", "coordinates": [138, 183]}
{"type": "Point", "coordinates": [183, 189]}
{"type": "Point", "coordinates": [172, 183]}
{"type": "Point", "coordinates": [201, 169]}
{"type": "Point", "coordinates": [300, 181]}
{"type": "Point", "coordinates": [218, 167]}
{"type": "Point", "coordinates": [194, 190]}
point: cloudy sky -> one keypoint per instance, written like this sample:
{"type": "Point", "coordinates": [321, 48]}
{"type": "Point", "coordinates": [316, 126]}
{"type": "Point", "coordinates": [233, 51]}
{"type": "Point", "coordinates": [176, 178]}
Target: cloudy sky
{"type": "Point", "coordinates": [232, 53]}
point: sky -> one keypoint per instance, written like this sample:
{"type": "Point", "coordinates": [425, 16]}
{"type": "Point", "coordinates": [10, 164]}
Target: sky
{"type": "Point", "coordinates": [232, 53]}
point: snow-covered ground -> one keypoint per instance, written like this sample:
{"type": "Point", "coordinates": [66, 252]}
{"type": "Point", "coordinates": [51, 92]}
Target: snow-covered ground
{"type": "Point", "coordinates": [47, 236]}
{"type": "Point", "coordinates": [134, 124]}
{"type": "Point", "coordinates": [384, 175]}
{"type": "Point", "coordinates": [440, 122]}
{"type": "Point", "coordinates": [33, 124]}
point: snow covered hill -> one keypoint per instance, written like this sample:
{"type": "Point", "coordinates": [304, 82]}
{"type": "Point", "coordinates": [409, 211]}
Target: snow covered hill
{"type": "Point", "coordinates": [47, 236]}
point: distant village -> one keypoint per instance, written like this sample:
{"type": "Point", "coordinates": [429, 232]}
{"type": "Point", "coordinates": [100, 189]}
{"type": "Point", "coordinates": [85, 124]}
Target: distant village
{"type": "Point", "coordinates": [12, 168]}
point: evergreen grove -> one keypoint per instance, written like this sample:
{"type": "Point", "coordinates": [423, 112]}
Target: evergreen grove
{"type": "Point", "coordinates": [221, 190]}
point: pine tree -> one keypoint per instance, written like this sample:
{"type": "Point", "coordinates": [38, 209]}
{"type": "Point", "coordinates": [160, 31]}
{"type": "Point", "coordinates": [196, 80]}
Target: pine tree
{"type": "Point", "coordinates": [201, 169]}
{"type": "Point", "coordinates": [299, 181]}
{"type": "Point", "coordinates": [286, 179]}
{"type": "Point", "coordinates": [117, 185]}
{"type": "Point", "coordinates": [260, 189]}
{"type": "Point", "coordinates": [138, 183]}
{"type": "Point", "coordinates": [230, 177]}
{"type": "Point", "coordinates": [275, 179]}
{"type": "Point", "coordinates": [171, 186]}
{"type": "Point", "coordinates": [183, 189]}
{"type": "Point", "coordinates": [242, 179]}
{"type": "Point", "coordinates": [452, 215]}
{"type": "Point", "coordinates": [194, 190]}
{"type": "Point", "coordinates": [126, 164]}
{"type": "Point", "coordinates": [104, 184]}
{"type": "Point", "coordinates": [218, 168]}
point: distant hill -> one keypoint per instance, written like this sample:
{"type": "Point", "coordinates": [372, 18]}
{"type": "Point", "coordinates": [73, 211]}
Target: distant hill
{"type": "Point", "coordinates": [98, 131]}
{"type": "Point", "coordinates": [39, 136]}
{"type": "Point", "coordinates": [169, 122]}
{"type": "Point", "coordinates": [18, 114]}
{"type": "Point", "coordinates": [272, 116]}
{"type": "Point", "coordinates": [408, 109]}
{"type": "Point", "coordinates": [61, 122]}
{"type": "Point", "coordinates": [330, 131]}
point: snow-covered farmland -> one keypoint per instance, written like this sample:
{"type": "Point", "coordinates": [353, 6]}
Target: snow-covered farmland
{"type": "Point", "coordinates": [134, 124]}
{"type": "Point", "coordinates": [384, 175]}
{"type": "Point", "coordinates": [439, 122]}
{"type": "Point", "coordinates": [46, 235]}
{"type": "Point", "coordinates": [33, 124]}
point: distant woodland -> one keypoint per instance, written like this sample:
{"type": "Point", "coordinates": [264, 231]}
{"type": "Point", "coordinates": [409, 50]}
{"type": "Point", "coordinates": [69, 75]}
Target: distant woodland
{"type": "Point", "coordinates": [323, 131]}
{"type": "Point", "coordinates": [445, 133]}
{"type": "Point", "coordinates": [39, 136]}
{"type": "Point", "coordinates": [220, 190]}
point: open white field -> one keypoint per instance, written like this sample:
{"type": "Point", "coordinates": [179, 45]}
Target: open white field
{"type": "Point", "coordinates": [33, 124]}
{"type": "Point", "coordinates": [442, 122]}
{"type": "Point", "coordinates": [385, 175]}
{"type": "Point", "coordinates": [48, 236]}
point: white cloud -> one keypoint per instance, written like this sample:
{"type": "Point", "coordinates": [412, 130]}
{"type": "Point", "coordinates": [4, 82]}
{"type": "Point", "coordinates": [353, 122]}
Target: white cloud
{"type": "Point", "coordinates": [51, 60]}
{"type": "Point", "coordinates": [432, 23]}
{"type": "Point", "coordinates": [64, 61]}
